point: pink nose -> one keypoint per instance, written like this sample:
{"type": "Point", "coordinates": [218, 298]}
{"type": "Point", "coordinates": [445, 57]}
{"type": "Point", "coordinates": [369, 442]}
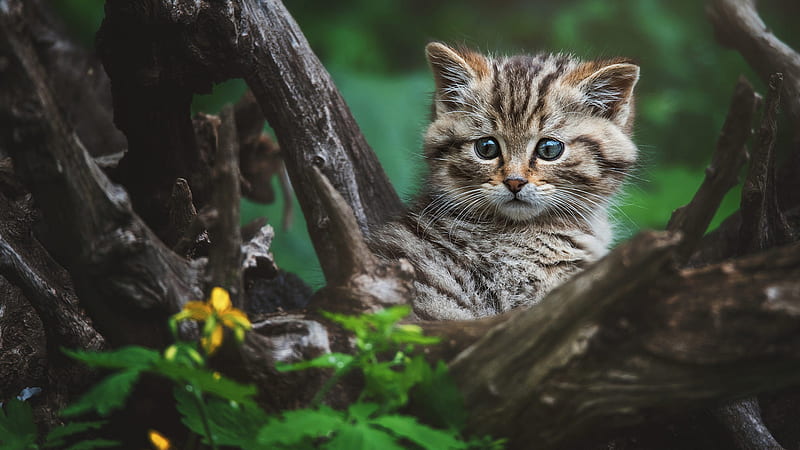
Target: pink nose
{"type": "Point", "coordinates": [515, 184]}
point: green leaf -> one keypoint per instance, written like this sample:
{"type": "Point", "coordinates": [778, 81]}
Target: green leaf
{"type": "Point", "coordinates": [206, 381]}
{"type": "Point", "coordinates": [390, 316]}
{"type": "Point", "coordinates": [362, 437]}
{"type": "Point", "coordinates": [17, 430]}
{"type": "Point", "coordinates": [295, 426]}
{"type": "Point", "coordinates": [231, 424]}
{"type": "Point", "coordinates": [438, 399]}
{"type": "Point", "coordinates": [356, 324]}
{"type": "Point", "coordinates": [411, 334]}
{"type": "Point", "coordinates": [420, 434]}
{"type": "Point", "coordinates": [132, 357]}
{"type": "Point", "coordinates": [94, 443]}
{"type": "Point", "coordinates": [55, 438]}
{"type": "Point", "coordinates": [362, 411]}
{"type": "Point", "coordinates": [337, 361]}
{"type": "Point", "coordinates": [106, 395]}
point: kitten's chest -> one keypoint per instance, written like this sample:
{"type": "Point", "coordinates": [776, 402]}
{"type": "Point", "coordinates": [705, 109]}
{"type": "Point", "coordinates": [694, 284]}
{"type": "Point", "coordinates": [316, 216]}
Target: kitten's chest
{"type": "Point", "coordinates": [519, 269]}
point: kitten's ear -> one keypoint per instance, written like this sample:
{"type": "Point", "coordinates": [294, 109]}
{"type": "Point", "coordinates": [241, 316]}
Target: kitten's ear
{"type": "Point", "coordinates": [608, 90]}
{"type": "Point", "coordinates": [454, 70]}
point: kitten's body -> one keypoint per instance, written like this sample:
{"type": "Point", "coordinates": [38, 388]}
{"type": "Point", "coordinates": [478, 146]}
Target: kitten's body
{"type": "Point", "coordinates": [499, 223]}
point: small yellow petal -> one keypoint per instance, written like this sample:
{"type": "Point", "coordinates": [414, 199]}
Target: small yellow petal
{"type": "Point", "coordinates": [170, 353]}
{"type": "Point", "coordinates": [220, 300]}
{"type": "Point", "coordinates": [214, 341]}
{"type": "Point", "coordinates": [158, 440]}
{"type": "Point", "coordinates": [195, 310]}
{"type": "Point", "coordinates": [235, 318]}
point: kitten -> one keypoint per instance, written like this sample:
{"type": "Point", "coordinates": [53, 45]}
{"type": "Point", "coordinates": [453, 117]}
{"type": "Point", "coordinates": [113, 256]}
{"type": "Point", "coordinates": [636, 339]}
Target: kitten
{"type": "Point", "coordinates": [524, 155]}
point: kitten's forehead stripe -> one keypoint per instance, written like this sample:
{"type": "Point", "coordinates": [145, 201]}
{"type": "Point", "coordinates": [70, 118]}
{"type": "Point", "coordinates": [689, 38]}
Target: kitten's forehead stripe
{"type": "Point", "coordinates": [610, 167]}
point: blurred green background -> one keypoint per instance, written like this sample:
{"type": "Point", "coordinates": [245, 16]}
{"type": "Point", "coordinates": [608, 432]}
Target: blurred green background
{"type": "Point", "coordinates": [374, 50]}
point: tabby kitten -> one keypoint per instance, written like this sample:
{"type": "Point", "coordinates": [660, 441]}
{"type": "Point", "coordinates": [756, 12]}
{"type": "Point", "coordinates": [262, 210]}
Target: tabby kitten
{"type": "Point", "coordinates": [524, 155]}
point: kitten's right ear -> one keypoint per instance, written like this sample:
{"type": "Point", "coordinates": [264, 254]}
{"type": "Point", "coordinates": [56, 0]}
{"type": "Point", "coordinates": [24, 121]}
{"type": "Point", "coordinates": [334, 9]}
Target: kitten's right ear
{"type": "Point", "coordinates": [453, 71]}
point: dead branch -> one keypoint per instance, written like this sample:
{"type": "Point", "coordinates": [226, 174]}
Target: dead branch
{"type": "Point", "coordinates": [738, 25]}
{"type": "Point", "coordinates": [594, 356]}
{"type": "Point", "coordinates": [225, 255]}
{"type": "Point", "coordinates": [722, 174]}
{"type": "Point", "coordinates": [363, 283]}
{"type": "Point", "coordinates": [118, 266]}
{"type": "Point", "coordinates": [752, 435]}
{"type": "Point", "coordinates": [763, 223]}
{"type": "Point", "coordinates": [55, 302]}
{"type": "Point", "coordinates": [260, 42]}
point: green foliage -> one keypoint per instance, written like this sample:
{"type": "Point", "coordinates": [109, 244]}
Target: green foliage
{"type": "Point", "coordinates": [106, 396]}
{"type": "Point", "coordinates": [230, 423]}
{"type": "Point", "coordinates": [222, 412]}
{"type": "Point", "coordinates": [18, 431]}
{"type": "Point", "coordinates": [373, 421]}
{"type": "Point", "coordinates": [385, 381]}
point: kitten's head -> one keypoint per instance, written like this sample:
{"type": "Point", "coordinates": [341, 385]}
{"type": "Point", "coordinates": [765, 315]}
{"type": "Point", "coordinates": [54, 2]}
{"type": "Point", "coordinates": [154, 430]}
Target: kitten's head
{"type": "Point", "coordinates": [516, 138]}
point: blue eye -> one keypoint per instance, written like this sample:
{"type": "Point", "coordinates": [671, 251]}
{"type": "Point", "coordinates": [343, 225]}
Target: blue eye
{"type": "Point", "coordinates": [549, 149]}
{"type": "Point", "coordinates": [487, 148]}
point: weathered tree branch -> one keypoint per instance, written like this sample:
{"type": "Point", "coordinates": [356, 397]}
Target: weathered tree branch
{"type": "Point", "coordinates": [260, 42]}
{"type": "Point", "coordinates": [225, 255]}
{"type": "Point", "coordinates": [119, 267]}
{"type": "Point", "coordinates": [738, 25]}
{"type": "Point", "coordinates": [364, 283]}
{"type": "Point", "coordinates": [763, 223]}
{"type": "Point", "coordinates": [743, 419]}
{"type": "Point", "coordinates": [56, 304]}
{"type": "Point", "coordinates": [722, 174]}
{"type": "Point", "coordinates": [595, 355]}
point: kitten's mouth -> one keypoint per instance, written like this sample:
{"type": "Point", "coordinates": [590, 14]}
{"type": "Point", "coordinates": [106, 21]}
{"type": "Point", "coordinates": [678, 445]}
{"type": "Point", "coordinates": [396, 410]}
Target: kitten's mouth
{"type": "Point", "coordinates": [518, 204]}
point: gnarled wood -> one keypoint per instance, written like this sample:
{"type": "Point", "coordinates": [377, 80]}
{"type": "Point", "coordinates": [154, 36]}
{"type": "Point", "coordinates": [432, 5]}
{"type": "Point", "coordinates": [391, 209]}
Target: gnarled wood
{"type": "Point", "coordinates": [119, 267]}
{"type": "Point", "coordinates": [738, 25]}
{"type": "Point", "coordinates": [722, 174]}
{"type": "Point", "coordinates": [225, 255]}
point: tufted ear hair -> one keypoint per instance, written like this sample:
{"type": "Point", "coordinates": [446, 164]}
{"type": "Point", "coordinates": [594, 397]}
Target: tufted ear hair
{"type": "Point", "coordinates": [608, 89]}
{"type": "Point", "coordinates": [454, 70]}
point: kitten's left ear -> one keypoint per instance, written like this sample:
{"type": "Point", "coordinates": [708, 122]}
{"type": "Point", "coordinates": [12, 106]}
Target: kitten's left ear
{"type": "Point", "coordinates": [608, 90]}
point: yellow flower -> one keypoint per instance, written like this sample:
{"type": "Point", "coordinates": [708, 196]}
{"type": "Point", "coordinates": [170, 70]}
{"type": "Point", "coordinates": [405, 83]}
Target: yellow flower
{"type": "Point", "coordinates": [217, 312]}
{"type": "Point", "coordinates": [158, 440]}
{"type": "Point", "coordinates": [213, 340]}
{"type": "Point", "coordinates": [231, 317]}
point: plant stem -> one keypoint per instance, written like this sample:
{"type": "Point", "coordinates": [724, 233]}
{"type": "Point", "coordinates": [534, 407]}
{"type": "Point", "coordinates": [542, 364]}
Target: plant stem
{"type": "Point", "coordinates": [320, 395]}
{"type": "Point", "coordinates": [198, 398]}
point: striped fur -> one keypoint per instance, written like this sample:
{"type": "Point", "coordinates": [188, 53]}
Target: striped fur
{"type": "Point", "coordinates": [477, 248]}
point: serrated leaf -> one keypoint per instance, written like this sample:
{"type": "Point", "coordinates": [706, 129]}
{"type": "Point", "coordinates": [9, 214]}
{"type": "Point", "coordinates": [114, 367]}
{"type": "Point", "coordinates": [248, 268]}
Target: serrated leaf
{"type": "Point", "coordinates": [356, 324]}
{"type": "Point", "coordinates": [17, 430]}
{"type": "Point", "coordinates": [336, 361]}
{"type": "Point", "coordinates": [295, 426]}
{"type": "Point", "coordinates": [55, 438]}
{"type": "Point", "coordinates": [390, 315]}
{"type": "Point", "coordinates": [361, 411]}
{"type": "Point", "coordinates": [132, 357]}
{"type": "Point", "coordinates": [206, 381]}
{"type": "Point", "coordinates": [94, 443]}
{"type": "Point", "coordinates": [230, 425]}
{"type": "Point", "coordinates": [438, 398]}
{"type": "Point", "coordinates": [411, 334]}
{"type": "Point", "coordinates": [362, 437]}
{"type": "Point", "coordinates": [106, 395]}
{"type": "Point", "coordinates": [420, 434]}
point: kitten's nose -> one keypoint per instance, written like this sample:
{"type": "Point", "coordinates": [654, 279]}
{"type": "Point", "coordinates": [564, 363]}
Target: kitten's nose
{"type": "Point", "coordinates": [515, 184]}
